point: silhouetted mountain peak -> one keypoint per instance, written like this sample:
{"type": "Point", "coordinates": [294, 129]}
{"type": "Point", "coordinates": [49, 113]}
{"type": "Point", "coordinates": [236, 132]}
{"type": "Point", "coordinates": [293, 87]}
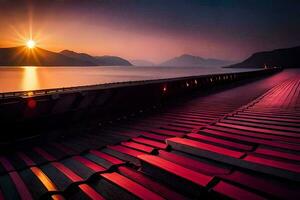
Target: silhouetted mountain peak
{"type": "Point", "coordinates": [22, 56]}
{"type": "Point", "coordinates": [97, 60]}
{"type": "Point", "coordinates": [80, 56]}
{"type": "Point", "coordinates": [190, 57]}
{"type": "Point", "coordinates": [284, 57]}
{"type": "Point", "coordinates": [75, 53]}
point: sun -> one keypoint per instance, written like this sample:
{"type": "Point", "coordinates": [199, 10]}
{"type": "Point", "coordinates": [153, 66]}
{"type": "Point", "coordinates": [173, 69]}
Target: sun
{"type": "Point", "coordinates": [30, 44]}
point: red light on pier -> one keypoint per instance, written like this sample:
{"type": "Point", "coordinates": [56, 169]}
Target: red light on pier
{"type": "Point", "coordinates": [31, 103]}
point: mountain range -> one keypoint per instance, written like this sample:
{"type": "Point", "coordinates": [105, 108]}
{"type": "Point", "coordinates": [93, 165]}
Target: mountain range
{"type": "Point", "coordinates": [286, 58]}
{"type": "Point", "coordinates": [22, 56]}
{"type": "Point", "coordinates": [195, 61]}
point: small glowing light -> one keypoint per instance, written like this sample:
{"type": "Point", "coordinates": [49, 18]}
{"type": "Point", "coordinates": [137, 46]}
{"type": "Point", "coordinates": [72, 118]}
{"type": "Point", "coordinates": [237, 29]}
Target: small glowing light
{"type": "Point", "coordinates": [196, 82]}
{"type": "Point", "coordinates": [30, 44]}
{"type": "Point", "coordinates": [165, 89]}
{"type": "Point", "coordinates": [30, 94]}
{"type": "Point", "coordinates": [187, 84]}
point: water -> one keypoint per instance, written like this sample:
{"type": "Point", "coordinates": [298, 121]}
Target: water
{"type": "Point", "coordinates": [35, 78]}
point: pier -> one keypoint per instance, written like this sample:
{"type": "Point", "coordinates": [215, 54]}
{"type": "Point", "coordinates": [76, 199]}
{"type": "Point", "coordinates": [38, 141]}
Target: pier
{"type": "Point", "coordinates": [233, 136]}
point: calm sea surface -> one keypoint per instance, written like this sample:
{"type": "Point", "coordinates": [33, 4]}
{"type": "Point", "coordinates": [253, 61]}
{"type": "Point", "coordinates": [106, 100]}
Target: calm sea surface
{"type": "Point", "coordinates": [34, 78]}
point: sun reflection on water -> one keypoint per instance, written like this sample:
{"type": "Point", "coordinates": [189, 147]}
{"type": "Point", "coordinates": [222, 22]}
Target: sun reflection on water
{"type": "Point", "coordinates": [30, 78]}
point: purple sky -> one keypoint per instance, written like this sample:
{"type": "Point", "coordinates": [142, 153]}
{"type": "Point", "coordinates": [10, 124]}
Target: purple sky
{"type": "Point", "coordinates": [151, 29]}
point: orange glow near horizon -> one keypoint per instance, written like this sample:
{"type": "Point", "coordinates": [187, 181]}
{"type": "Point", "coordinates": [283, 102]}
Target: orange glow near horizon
{"type": "Point", "coordinates": [148, 31]}
{"type": "Point", "coordinates": [50, 34]}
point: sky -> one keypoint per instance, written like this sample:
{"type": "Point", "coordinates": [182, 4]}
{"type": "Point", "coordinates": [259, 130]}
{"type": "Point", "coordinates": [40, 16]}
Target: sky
{"type": "Point", "coordinates": [154, 30]}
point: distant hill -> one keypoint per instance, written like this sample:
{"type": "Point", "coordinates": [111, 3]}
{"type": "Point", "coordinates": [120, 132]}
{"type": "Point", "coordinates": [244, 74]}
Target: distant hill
{"type": "Point", "coordinates": [142, 63]}
{"type": "Point", "coordinates": [111, 60]}
{"type": "Point", "coordinates": [97, 60]}
{"type": "Point", "coordinates": [287, 58]}
{"type": "Point", "coordinates": [22, 56]}
{"type": "Point", "coordinates": [78, 56]}
{"type": "Point", "coordinates": [190, 60]}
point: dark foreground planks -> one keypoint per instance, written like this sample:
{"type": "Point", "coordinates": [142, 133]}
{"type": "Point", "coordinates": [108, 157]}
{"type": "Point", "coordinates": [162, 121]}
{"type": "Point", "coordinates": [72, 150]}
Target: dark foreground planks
{"type": "Point", "coordinates": [242, 143]}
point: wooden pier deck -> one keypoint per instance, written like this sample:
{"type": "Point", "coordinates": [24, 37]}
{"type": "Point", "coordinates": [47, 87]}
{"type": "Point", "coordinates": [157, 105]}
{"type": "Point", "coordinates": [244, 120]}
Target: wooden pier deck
{"type": "Point", "coordinates": [240, 143]}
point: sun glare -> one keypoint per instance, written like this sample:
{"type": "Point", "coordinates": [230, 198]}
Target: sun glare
{"type": "Point", "coordinates": [30, 78]}
{"type": "Point", "coordinates": [30, 44]}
